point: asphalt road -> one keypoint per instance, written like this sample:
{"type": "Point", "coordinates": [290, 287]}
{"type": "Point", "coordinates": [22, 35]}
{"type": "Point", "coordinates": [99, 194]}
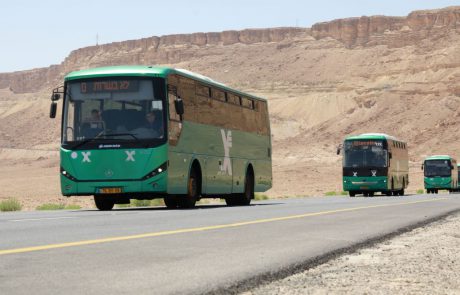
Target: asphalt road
{"type": "Point", "coordinates": [160, 251]}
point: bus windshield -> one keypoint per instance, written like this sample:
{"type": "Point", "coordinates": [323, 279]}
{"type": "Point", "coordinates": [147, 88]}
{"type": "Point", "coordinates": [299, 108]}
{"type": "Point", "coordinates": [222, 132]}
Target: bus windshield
{"type": "Point", "coordinates": [116, 109]}
{"type": "Point", "coordinates": [439, 168]}
{"type": "Point", "coordinates": [365, 154]}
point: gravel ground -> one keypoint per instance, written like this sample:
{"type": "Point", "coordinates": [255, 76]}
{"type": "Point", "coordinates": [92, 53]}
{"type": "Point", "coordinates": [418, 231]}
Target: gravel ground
{"type": "Point", "coordinates": [423, 261]}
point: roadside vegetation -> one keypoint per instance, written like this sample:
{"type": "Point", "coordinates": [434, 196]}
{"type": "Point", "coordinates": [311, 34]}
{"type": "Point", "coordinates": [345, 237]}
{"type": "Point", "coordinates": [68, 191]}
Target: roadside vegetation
{"type": "Point", "coordinates": [10, 204]}
{"type": "Point", "coordinates": [420, 191]}
{"type": "Point", "coordinates": [259, 197]}
{"type": "Point", "coordinates": [334, 193]}
{"type": "Point", "coordinates": [142, 203]}
{"type": "Point", "coordinates": [52, 206]}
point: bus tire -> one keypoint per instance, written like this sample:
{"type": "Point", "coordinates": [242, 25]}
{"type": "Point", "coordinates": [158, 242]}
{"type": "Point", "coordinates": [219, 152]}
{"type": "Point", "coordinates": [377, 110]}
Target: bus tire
{"type": "Point", "coordinates": [245, 198]}
{"type": "Point", "coordinates": [351, 194]}
{"type": "Point", "coordinates": [193, 190]}
{"type": "Point", "coordinates": [104, 203]}
{"type": "Point", "coordinates": [401, 192]}
{"type": "Point", "coordinates": [388, 193]}
{"type": "Point", "coordinates": [371, 194]}
{"type": "Point", "coordinates": [171, 202]}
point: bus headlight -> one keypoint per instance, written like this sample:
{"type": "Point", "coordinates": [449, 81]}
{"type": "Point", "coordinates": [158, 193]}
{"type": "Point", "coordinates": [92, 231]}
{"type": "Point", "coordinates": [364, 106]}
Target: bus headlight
{"type": "Point", "coordinates": [156, 171]}
{"type": "Point", "coordinates": [67, 174]}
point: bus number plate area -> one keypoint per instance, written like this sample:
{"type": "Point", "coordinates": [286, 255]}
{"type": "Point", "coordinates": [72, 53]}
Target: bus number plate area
{"type": "Point", "coordinates": [364, 187]}
{"type": "Point", "coordinates": [109, 190]}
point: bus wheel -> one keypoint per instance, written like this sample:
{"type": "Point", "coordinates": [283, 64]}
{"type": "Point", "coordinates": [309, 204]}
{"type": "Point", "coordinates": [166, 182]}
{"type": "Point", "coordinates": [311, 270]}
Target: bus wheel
{"type": "Point", "coordinates": [401, 192]}
{"type": "Point", "coordinates": [104, 203]}
{"type": "Point", "coordinates": [171, 202]}
{"type": "Point", "coordinates": [351, 194]}
{"type": "Point", "coordinates": [388, 193]}
{"type": "Point", "coordinates": [243, 199]}
{"type": "Point", "coordinates": [193, 192]}
{"type": "Point", "coordinates": [248, 194]}
{"type": "Point", "coordinates": [371, 194]}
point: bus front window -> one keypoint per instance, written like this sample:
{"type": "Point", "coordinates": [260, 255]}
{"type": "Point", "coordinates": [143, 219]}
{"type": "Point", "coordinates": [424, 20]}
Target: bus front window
{"type": "Point", "coordinates": [365, 154]}
{"type": "Point", "coordinates": [439, 168]}
{"type": "Point", "coordinates": [119, 109]}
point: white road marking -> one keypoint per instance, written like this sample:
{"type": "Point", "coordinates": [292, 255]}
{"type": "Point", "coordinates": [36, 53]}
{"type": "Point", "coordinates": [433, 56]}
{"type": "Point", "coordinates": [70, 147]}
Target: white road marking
{"type": "Point", "coordinates": [38, 219]}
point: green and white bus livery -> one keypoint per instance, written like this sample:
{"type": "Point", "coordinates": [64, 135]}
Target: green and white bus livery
{"type": "Point", "coordinates": [139, 132]}
{"type": "Point", "coordinates": [374, 162]}
{"type": "Point", "coordinates": [440, 172]}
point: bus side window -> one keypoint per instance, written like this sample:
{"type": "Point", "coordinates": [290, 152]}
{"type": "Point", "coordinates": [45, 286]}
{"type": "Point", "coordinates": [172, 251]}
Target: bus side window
{"type": "Point", "coordinates": [175, 124]}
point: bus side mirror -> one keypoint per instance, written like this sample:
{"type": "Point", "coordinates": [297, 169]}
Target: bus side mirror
{"type": "Point", "coordinates": [339, 147]}
{"type": "Point", "coordinates": [390, 156]}
{"type": "Point", "coordinates": [53, 109]}
{"type": "Point", "coordinates": [179, 106]}
{"type": "Point", "coordinates": [55, 96]}
{"type": "Point", "coordinates": [422, 167]}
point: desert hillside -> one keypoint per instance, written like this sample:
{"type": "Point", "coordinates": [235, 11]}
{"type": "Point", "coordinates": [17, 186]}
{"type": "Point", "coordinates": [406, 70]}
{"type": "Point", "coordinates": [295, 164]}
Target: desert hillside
{"type": "Point", "coordinates": [397, 75]}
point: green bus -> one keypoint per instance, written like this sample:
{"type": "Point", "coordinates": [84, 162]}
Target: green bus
{"type": "Point", "coordinates": [140, 132]}
{"type": "Point", "coordinates": [374, 162]}
{"type": "Point", "coordinates": [440, 172]}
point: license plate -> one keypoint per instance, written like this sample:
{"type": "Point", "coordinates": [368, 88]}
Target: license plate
{"type": "Point", "coordinates": [363, 187]}
{"type": "Point", "coordinates": [110, 190]}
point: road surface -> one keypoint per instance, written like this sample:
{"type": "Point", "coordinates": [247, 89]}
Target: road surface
{"type": "Point", "coordinates": [208, 249]}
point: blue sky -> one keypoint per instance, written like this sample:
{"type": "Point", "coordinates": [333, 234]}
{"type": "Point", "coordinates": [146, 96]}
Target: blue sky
{"type": "Point", "coordinates": [40, 33]}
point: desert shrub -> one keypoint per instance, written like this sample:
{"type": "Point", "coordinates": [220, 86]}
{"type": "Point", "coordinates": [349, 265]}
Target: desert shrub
{"type": "Point", "coordinates": [51, 206]}
{"type": "Point", "coordinates": [259, 197]}
{"type": "Point", "coordinates": [332, 193]}
{"type": "Point", "coordinates": [10, 204]}
{"type": "Point", "coordinates": [140, 203]}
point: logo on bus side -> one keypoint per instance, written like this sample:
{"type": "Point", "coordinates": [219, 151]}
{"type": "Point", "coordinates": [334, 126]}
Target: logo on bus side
{"type": "Point", "coordinates": [226, 167]}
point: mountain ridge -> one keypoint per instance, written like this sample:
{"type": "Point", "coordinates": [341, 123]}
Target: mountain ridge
{"type": "Point", "coordinates": [167, 49]}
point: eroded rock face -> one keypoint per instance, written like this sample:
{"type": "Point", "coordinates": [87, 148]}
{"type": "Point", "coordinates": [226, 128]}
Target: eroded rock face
{"type": "Point", "coordinates": [391, 31]}
{"type": "Point", "coordinates": [154, 50]}
{"type": "Point", "coordinates": [173, 49]}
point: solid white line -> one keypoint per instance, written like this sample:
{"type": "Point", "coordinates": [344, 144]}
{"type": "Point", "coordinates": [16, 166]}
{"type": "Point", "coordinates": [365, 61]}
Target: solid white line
{"type": "Point", "coordinates": [39, 219]}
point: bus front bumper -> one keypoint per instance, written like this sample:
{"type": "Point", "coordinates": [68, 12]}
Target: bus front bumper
{"type": "Point", "coordinates": [375, 183]}
{"type": "Point", "coordinates": [152, 185]}
{"type": "Point", "coordinates": [438, 183]}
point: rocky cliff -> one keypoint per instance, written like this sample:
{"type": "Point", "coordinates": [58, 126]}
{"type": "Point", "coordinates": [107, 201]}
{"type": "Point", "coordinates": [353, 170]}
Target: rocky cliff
{"type": "Point", "coordinates": [168, 49]}
{"type": "Point", "coordinates": [392, 31]}
{"type": "Point", "coordinates": [173, 49]}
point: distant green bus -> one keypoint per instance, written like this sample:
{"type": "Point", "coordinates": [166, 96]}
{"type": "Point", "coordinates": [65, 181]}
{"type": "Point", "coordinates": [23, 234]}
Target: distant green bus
{"type": "Point", "coordinates": [374, 162]}
{"type": "Point", "coordinates": [440, 172]}
{"type": "Point", "coordinates": [139, 132]}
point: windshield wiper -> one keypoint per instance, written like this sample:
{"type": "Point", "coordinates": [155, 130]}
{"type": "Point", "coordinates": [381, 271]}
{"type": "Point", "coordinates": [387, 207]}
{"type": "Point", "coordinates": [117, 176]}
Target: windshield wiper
{"type": "Point", "coordinates": [104, 137]}
{"type": "Point", "coordinates": [122, 134]}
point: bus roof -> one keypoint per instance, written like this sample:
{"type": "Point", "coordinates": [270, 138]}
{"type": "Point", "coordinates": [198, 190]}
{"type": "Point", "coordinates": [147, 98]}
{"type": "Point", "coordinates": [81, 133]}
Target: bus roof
{"type": "Point", "coordinates": [148, 71]}
{"type": "Point", "coordinates": [438, 157]}
{"type": "Point", "coordinates": [371, 136]}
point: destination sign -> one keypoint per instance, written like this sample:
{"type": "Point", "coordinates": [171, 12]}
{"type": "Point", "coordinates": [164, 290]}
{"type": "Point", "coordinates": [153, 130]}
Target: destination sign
{"type": "Point", "coordinates": [109, 86]}
{"type": "Point", "coordinates": [367, 143]}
